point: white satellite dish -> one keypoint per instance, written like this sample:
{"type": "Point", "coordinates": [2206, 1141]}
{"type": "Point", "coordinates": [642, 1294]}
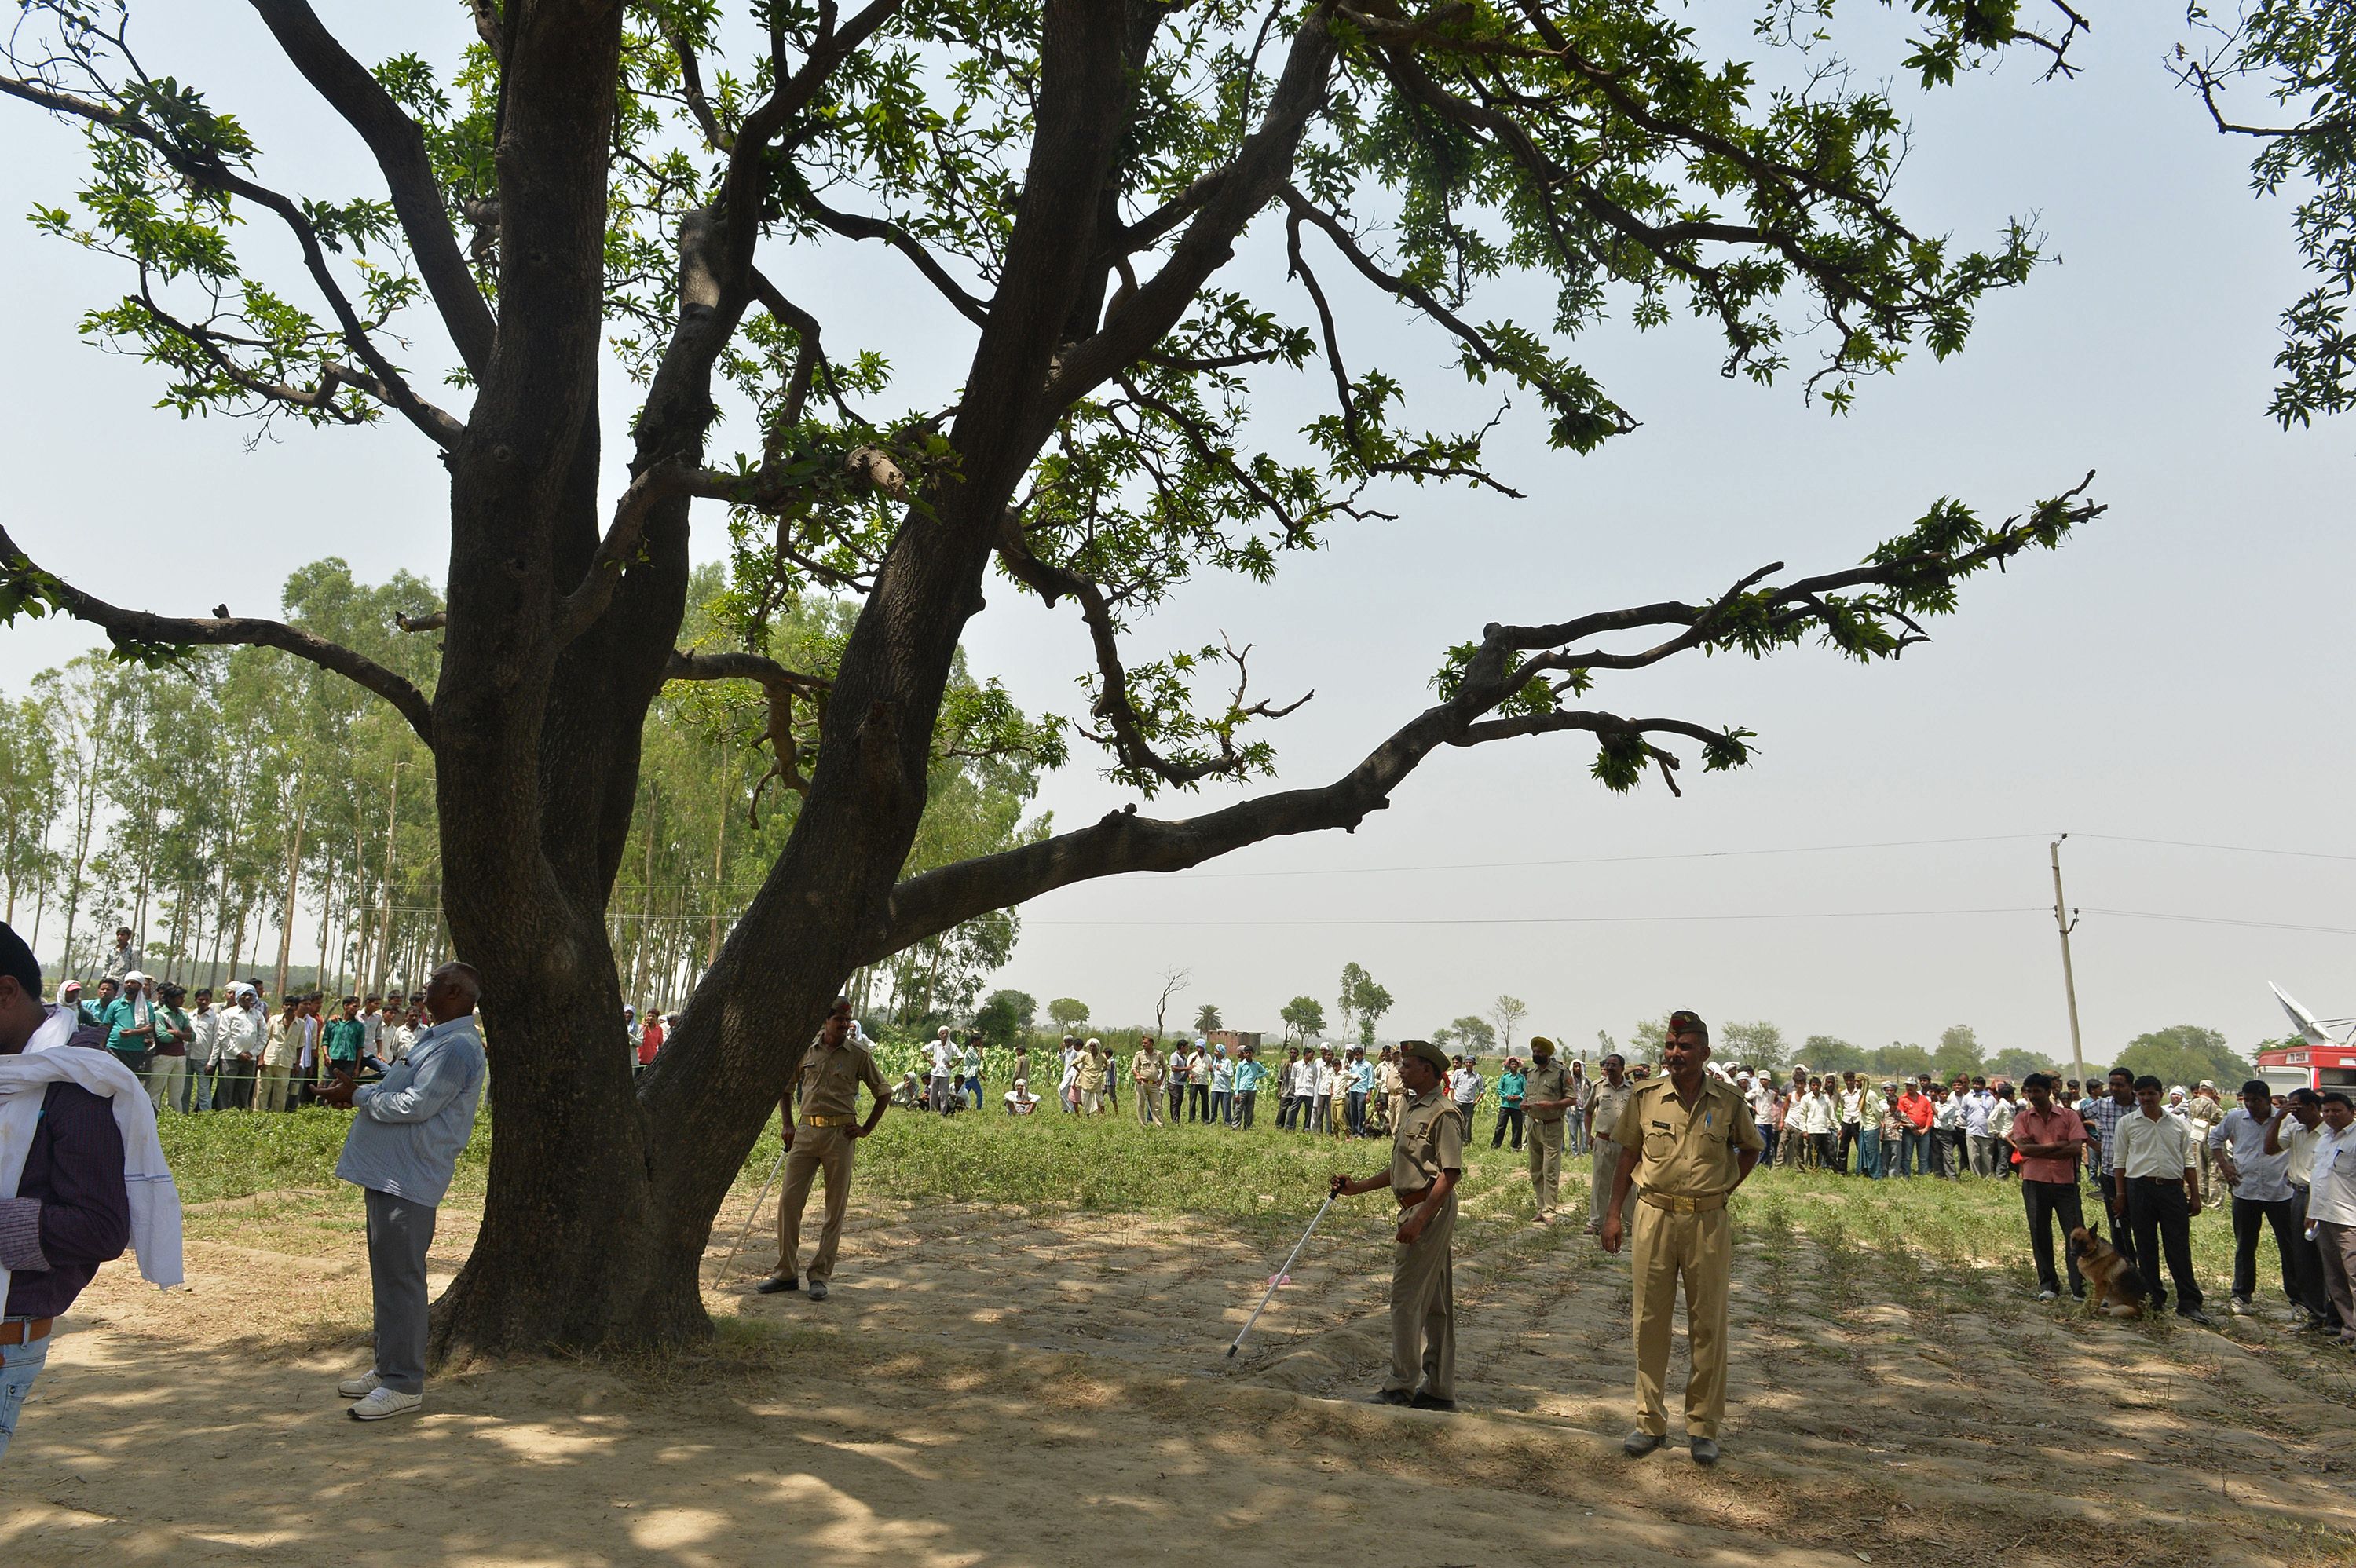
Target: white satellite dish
{"type": "Point", "coordinates": [2309, 1029]}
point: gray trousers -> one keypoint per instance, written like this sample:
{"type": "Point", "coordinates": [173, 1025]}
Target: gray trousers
{"type": "Point", "coordinates": [399, 1233]}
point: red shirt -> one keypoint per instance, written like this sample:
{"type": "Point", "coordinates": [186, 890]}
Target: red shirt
{"type": "Point", "coordinates": [1916, 1108]}
{"type": "Point", "coordinates": [651, 1040]}
{"type": "Point", "coordinates": [2058, 1126]}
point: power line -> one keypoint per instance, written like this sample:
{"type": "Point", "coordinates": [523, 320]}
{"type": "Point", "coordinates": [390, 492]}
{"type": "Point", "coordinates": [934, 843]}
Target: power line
{"type": "Point", "coordinates": [2230, 848]}
{"type": "Point", "coordinates": [2222, 919]}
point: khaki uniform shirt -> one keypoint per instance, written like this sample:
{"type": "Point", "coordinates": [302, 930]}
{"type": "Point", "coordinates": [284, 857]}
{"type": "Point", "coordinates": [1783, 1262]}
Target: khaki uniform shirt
{"type": "Point", "coordinates": [1689, 1151]}
{"type": "Point", "coordinates": [831, 1078]}
{"type": "Point", "coordinates": [1428, 1139]}
{"type": "Point", "coordinates": [1608, 1104]}
{"type": "Point", "coordinates": [1146, 1068]}
{"type": "Point", "coordinates": [1550, 1081]}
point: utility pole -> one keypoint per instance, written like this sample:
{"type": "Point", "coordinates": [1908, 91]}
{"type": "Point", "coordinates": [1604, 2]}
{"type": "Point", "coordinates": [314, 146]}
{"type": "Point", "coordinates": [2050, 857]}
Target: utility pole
{"type": "Point", "coordinates": [2066, 923]}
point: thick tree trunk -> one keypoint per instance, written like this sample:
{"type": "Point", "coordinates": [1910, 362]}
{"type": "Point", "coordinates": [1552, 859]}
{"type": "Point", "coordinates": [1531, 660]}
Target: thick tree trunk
{"type": "Point", "coordinates": [601, 1202]}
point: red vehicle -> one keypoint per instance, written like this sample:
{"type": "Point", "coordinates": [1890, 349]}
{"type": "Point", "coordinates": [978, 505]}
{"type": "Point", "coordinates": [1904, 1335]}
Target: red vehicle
{"type": "Point", "coordinates": [2320, 1060]}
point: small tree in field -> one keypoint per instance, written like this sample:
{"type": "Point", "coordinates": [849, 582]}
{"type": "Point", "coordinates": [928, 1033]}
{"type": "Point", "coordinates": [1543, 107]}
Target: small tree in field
{"type": "Point", "coordinates": [1069, 1013]}
{"type": "Point", "coordinates": [1302, 1016]}
{"type": "Point", "coordinates": [1207, 1019]}
{"type": "Point", "coordinates": [1508, 1011]}
{"type": "Point", "coordinates": [1069, 183]}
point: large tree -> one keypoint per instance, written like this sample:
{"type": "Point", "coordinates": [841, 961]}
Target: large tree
{"type": "Point", "coordinates": [1072, 181]}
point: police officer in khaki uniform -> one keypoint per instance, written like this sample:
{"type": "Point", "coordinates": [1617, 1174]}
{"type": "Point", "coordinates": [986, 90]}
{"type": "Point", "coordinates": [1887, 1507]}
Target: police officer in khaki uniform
{"type": "Point", "coordinates": [1686, 1141]}
{"type": "Point", "coordinates": [1426, 1158]}
{"type": "Point", "coordinates": [1604, 1105]}
{"type": "Point", "coordinates": [1546, 1096]}
{"type": "Point", "coordinates": [833, 1068]}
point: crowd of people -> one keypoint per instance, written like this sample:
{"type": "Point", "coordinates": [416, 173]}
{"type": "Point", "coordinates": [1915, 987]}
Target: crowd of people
{"type": "Point", "coordinates": [192, 1055]}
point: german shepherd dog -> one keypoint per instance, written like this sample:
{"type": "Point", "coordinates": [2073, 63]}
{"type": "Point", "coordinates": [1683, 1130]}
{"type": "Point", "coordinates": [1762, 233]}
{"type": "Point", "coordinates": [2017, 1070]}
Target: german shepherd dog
{"type": "Point", "coordinates": [2119, 1287]}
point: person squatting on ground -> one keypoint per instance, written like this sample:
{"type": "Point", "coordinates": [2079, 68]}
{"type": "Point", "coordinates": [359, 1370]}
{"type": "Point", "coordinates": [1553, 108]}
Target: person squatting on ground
{"type": "Point", "coordinates": [822, 1139]}
{"type": "Point", "coordinates": [1687, 1142]}
{"type": "Point", "coordinates": [407, 1132]}
{"type": "Point", "coordinates": [81, 1175]}
{"type": "Point", "coordinates": [1427, 1159]}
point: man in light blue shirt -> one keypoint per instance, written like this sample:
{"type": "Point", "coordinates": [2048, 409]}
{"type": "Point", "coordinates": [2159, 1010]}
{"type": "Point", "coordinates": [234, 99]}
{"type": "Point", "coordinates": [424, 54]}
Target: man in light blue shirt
{"type": "Point", "coordinates": [403, 1145]}
{"type": "Point", "coordinates": [2260, 1183]}
{"type": "Point", "coordinates": [1977, 1107]}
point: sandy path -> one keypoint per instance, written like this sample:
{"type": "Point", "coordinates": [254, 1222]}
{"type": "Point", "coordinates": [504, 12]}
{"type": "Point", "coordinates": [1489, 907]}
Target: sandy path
{"type": "Point", "coordinates": [989, 1387]}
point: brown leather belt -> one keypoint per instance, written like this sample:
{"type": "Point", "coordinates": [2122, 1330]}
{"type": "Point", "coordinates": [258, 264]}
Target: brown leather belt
{"type": "Point", "coordinates": [830, 1121]}
{"type": "Point", "coordinates": [25, 1331]}
{"type": "Point", "coordinates": [1679, 1203]}
{"type": "Point", "coordinates": [1409, 1199]}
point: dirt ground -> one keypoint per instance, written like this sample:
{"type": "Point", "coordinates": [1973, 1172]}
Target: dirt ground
{"type": "Point", "coordinates": [992, 1386]}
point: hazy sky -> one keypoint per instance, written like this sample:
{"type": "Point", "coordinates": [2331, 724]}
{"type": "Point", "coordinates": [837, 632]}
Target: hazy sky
{"type": "Point", "coordinates": [2178, 672]}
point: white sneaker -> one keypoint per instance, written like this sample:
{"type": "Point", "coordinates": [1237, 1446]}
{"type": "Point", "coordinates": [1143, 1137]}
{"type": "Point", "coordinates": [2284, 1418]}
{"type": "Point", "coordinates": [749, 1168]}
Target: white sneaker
{"type": "Point", "coordinates": [359, 1387]}
{"type": "Point", "coordinates": [383, 1401]}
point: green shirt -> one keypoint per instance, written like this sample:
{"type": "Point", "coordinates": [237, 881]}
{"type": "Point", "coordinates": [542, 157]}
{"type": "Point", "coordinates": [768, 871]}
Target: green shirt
{"type": "Point", "coordinates": [344, 1037]}
{"type": "Point", "coordinates": [117, 1021]}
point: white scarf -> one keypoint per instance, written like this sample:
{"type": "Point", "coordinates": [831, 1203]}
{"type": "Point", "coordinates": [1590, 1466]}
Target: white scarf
{"type": "Point", "coordinates": [155, 1202]}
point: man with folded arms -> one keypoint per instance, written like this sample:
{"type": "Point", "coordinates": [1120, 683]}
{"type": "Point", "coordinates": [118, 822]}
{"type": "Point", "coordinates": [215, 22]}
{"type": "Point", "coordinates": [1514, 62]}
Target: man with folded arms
{"type": "Point", "coordinates": [403, 1145]}
{"type": "Point", "coordinates": [2049, 1137]}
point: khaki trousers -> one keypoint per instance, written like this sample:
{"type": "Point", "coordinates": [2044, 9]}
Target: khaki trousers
{"type": "Point", "coordinates": [1149, 1096]}
{"type": "Point", "coordinates": [1423, 1309]}
{"type": "Point", "coordinates": [1398, 1110]}
{"type": "Point", "coordinates": [1606, 1158]}
{"type": "Point", "coordinates": [815, 1149]}
{"type": "Point", "coordinates": [1546, 1165]}
{"type": "Point", "coordinates": [271, 1093]}
{"type": "Point", "coordinates": [1699, 1250]}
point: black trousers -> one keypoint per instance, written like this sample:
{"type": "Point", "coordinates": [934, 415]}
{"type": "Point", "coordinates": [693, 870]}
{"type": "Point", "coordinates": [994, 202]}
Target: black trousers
{"type": "Point", "coordinates": [1825, 1156]}
{"type": "Point", "coordinates": [2160, 1217]}
{"type": "Point", "coordinates": [2114, 1201]}
{"type": "Point", "coordinates": [2287, 1218]}
{"type": "Point", "coordinates": [2046, 1202]}
{"type": "Point", "coordinates": [1198, 1100]}
{"type": "Point", "coordinates": [1848, 1142]}
{"type": "Point", "coordinates": [1507, 1117]}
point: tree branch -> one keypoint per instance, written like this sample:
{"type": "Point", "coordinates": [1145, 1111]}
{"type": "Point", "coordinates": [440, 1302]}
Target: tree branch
{"type": "Point", "coordinates": [213, 175]}
{"type": "Point", "coordinates": [858, 226]}
{"type": "Point", "coordinates": [781, 687]}
{"type": "Point", "coordinates": [1487, 696]}
{"type": "Point", "coordinates": [136, 632]}
{"type": "Point", "coordinates": [399, 150]}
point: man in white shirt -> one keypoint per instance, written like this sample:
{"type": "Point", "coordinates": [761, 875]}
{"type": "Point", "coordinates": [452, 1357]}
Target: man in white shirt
{"type": "Point", "coordinates": [204, 1051]}
{"type": "Point", "coordinates": [244, 1036]}
{"type": "Point", "coordinates": [944, 1058]}
{"type": "Point", "coordinates": [2331, 1206]}
{"type": "Point", "coordinates": [2155, 1171]}
{"type": "Point", "coordinates": [2262, 1199]}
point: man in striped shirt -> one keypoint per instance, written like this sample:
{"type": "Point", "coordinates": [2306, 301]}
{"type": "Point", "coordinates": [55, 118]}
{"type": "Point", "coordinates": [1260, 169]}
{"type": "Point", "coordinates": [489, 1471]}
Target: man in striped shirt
{"type": "Point", "coordinates": [2101, 1116]}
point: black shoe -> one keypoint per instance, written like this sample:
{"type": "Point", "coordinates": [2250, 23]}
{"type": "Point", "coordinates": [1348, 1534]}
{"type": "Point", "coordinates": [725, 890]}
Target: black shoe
{"type": "Point", "coordinates": [1393, 1396]}
{"type": "Point", "coordinates": [1641, 1443]}
{"type": "Point", "coordinates": [1431, 1402]}
{"type": "Point", "coordinates": [2195, 1315]}
{"type": "Point", "coordinates": [775, 1286]}
{"type": "Point", "coordinates": [1703, 1450]}
{"type": "Point", "coordinates": [817, 1290]}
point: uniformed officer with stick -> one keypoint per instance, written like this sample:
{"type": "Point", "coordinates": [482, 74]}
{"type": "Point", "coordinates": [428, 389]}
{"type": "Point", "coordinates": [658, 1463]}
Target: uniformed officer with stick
{"type": "Point", "coordinates": [1426, 1158]}
{"type": "Point", "coordinates": [1686, 1141]}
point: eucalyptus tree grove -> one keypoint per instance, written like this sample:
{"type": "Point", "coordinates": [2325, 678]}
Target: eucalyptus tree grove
{"type": "Point", "coordinates": [1070, 182]}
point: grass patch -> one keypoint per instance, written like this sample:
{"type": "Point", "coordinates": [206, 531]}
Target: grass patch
{"type": "Point", "coordinates": [236, 1154]}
